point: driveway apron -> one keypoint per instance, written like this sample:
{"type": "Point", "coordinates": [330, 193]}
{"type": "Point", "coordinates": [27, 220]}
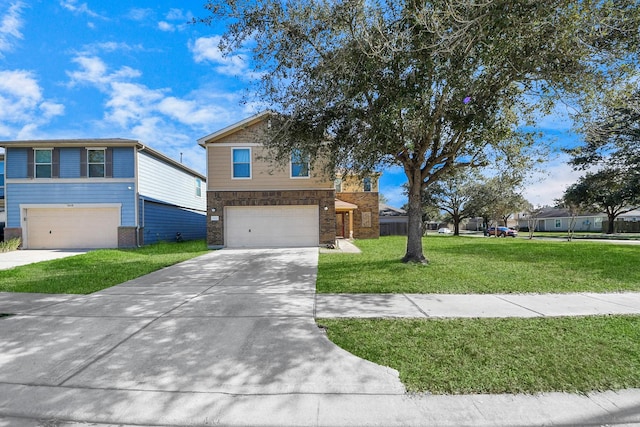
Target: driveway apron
{"type": "Point", "coordinates": [232, 322]}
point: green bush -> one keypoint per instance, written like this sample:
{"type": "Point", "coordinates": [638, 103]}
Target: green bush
{"type": "Point", "coordinates": [10, 245]}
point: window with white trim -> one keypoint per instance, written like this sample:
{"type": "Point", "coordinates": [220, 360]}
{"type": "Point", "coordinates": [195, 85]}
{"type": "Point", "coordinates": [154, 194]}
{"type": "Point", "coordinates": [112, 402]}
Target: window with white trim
{"type": "Point", "coordinates": [558, 223]}
{"type": "Point", "coordinates": [96, 162]}
{"type": "Point", "coordinates": [241, 163]}
{"type": "Point", "coordinates": [198, 187]}
{"type": "Point", "coordinates": [43, 161]}
{"type": "Point", "coordinates": [299, 165]}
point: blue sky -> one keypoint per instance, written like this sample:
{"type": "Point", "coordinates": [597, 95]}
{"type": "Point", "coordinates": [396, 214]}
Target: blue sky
{"type": "Point", "coordinates": [94, 69]}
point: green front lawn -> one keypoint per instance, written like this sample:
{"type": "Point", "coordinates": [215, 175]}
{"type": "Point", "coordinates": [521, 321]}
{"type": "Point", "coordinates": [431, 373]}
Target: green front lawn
{"type": "Point", "coordinates": [482, 265]}
{"type": "Point", "coordinates": [499, 355]}
{"type": "Point", "coordinates": [96, 270]}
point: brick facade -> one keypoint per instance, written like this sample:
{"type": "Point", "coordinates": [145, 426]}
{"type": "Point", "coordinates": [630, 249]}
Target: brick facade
{"type": "Point", "coordinates": [127, 237]}
{"type": "Point", "coordinates": [217, 200]}
{"type": "Point", "coordinates": [368, 210]}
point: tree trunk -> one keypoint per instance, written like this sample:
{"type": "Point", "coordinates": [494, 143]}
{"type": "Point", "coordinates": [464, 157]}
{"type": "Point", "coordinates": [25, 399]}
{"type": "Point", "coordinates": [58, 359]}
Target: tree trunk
{"type": "Point", "coordinates": [611, 226]}
{"type": "Point", "coordinates": [414, 234]}
{"type": "Point", "coordinates": [456, 225]}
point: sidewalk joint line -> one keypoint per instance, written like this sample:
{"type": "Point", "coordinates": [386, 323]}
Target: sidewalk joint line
{"type": "Point", "coordinates": [416, 305]}
{"type": "Point", "coordinates": [519, 305]}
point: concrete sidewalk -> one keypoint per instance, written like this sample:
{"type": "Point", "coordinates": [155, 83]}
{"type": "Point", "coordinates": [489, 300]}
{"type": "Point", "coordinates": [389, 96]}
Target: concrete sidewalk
{"type": "Point", "coordinates": [230, 338]}
{"type": "Point", "coordinates": [475, 306]}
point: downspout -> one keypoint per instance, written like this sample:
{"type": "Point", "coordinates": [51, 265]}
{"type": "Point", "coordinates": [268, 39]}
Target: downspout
{"type": "Point", "coordinates": [139, 198]}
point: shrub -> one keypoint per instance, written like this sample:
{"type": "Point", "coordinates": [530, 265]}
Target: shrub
{"type": "Point", "coordinates": [10, 245]}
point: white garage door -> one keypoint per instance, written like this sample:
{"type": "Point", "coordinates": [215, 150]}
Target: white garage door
{"type": "Point", "coordinates": [66, 228]}
{"type": "Point", "coordinates": [271, 226]}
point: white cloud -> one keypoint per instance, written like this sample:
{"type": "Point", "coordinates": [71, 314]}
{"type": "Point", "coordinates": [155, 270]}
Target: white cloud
{"type": "Point", "coordinates": [206, 49]}
{"type": "Point", "coordinates": [165, 26]}
{"type": "Point", "coordinates": [79, 9]}
{"type": "Point", "coordinates": [92, 49]}
{"type": "Point", "coordinates": [167, 122]}
{"type": "Point", "coordinates": [175, 19]}
{"type": "Point", "coordinates": [178, 15]}
{"type": "Point", "coordinates": [10, 26]}
{"type": "Point", "coordinates": [94, 71]}
{"type": "Point", "coordinates": [546, 187]}
{"type": "Point", "coordinates": [22, 106]}
{"type": "Point", "coordinates": [140, 14]}
{"type": "Point", "coordinates": [189, 112]}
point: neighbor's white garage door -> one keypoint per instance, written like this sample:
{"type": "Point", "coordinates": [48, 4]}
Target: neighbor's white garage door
{"type": "Point", "coordinates": [271, 226]}
{"type": "Point", "coordinates": [66, 228]}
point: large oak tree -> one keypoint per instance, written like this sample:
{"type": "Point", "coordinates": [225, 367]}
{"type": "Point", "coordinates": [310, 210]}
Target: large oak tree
{"type": "Point", "coordinates": [426, 85]}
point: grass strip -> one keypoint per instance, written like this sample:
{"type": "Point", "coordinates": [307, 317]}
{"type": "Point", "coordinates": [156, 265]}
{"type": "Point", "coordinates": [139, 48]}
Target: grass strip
{"type": "Point", "coordinates": [96, 270]}
{"type": "Point", "coordinates": [499, 355]}
{"type": "Point", "coordinates": [482, 265]}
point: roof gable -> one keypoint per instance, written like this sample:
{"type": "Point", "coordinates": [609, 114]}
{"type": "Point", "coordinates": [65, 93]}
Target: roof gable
{"type": "Point", "coordinates": [234, 128]}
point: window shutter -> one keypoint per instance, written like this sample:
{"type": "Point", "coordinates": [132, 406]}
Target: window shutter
{"type": "Point", "coordinates": [30, 161]}
{"type": "Point", "coordinates": [108, 163]}
{"type": "Point", "coordinates": [83, 163]}
{"type": "Point", "coordinates": [55, 163]}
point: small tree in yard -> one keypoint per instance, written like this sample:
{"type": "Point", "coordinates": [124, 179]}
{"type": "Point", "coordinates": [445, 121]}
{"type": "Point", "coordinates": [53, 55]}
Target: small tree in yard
{"type": "Point", "coordinates": [609, 190]}
{"type": "Point", "coordinates": [532, 214]}
{"type": "Point", "coordinates": [430, 86]}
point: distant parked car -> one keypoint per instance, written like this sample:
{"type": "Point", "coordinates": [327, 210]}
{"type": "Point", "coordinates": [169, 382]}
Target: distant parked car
{"type": "Point", "coordinates": [445, 230]}
{"type": "Point", "coordinates": [502, 232]}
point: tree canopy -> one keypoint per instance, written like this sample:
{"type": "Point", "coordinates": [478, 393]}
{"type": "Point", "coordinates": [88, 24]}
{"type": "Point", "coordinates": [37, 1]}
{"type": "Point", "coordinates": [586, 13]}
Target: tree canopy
{"type": "Point", "coordinates": [427, 85]}
{"type": "Point", "coordinates": [612, 133]}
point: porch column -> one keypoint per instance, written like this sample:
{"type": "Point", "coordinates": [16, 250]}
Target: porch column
{"type": "Point", "coordinates": [351, 224]}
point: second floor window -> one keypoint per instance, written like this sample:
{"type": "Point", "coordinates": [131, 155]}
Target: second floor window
{"type": "Point", "coordinates": [299, 165]}
{"type": "Point", "coordinates": [337, 183]}
{"type": "Point", "coordinates": [96, 162]}
{"type": "Point", "coordinates": [43, 163]}
{"type": "Point", "coordinates": [241, 162]}
{"type": "Point", "coordinates": [367, 184]}
{"type": "Point", "coordinates": [198, 187]}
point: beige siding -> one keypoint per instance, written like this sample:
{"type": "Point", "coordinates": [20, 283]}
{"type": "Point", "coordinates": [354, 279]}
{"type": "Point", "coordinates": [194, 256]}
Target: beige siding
{"type": "Point", "coordinates": [354, 184]}
{"type": "Point", "coordinates": [264, 175]}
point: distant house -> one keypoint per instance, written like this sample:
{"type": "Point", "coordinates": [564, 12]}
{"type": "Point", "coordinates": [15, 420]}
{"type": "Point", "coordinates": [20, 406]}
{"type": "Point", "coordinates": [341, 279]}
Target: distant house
{"type": "Point", "coordinates": [557, 219]}
{"type": "Point", "coordinates": [98, 193]}
{"type": "Point", "coordinates": [393, 221]}
{"type": "Point", "coordinates": [252, 202]}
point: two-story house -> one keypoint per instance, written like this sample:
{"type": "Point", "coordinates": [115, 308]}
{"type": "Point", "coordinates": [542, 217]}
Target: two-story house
{"type": "Point", "coordinates": [98, 193]}
{"type": "Point", "coordinates": [252, 202]}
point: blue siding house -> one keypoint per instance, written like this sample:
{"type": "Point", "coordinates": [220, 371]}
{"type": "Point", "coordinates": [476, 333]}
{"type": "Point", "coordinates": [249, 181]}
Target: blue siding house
{"type": "Point", "coordinates": [98, 193]}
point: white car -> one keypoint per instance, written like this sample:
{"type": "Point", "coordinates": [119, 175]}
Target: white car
{"type": "Point", "coordinates": [445, 231]}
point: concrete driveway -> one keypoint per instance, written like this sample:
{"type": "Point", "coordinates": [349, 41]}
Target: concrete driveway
{"type": "Point", "coordinates": [228, 338]}
{"type": "Point", "coordinates": [23, 257]}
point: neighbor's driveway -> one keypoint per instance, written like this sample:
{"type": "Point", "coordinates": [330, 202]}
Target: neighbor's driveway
{"type": "Point", "coordinates": [227, 337]}
{"type": "Point", "coordinates": [29, 256]}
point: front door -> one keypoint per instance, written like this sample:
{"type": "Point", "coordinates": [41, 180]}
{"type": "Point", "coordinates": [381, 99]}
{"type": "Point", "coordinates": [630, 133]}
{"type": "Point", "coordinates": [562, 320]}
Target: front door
{"type": "Point", "coordinates": [340, 224]}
